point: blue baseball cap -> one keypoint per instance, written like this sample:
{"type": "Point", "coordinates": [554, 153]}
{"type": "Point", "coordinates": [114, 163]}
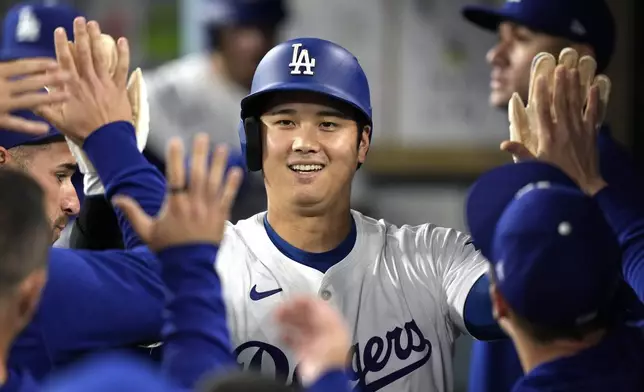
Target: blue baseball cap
{"type": "Point", "coordinates": [554, 257]}
{"type": "Point", "coordinates": [244, 12]}
{"type": "Point", "coordinates": [10, 139]}
{"type": "Point", "coordinates": [583, 21]}
{"type": "Point", "coordinates": [28, 29]}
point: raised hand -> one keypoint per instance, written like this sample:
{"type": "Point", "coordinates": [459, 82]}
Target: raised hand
{"type": "Point", "coordinates": [317, 334]}
{"type": "Point", "coordinates": [95, 98]}
{"type": "Point", "coordinates": [566, 124]}
{"type": "Point", "coordinates": [22, 85]}
{"type": "Point", "coordinates": [193, 212]}
{"type": "Point", "coordinates": [523, 143]}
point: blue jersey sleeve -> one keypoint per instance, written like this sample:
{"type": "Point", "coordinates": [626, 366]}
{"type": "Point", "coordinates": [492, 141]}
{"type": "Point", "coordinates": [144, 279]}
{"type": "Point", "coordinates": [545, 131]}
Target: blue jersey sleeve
{"type": "Point", "coordinates": [125, 171]}
{"type": "Point", "coordinates": [477, 314]}
{"type": "Point", "coordinates": [625, 214]}
{"type": "Point", "coordinates": [92, 301]}
{"type": "Point", "coordinates": [195, 334]}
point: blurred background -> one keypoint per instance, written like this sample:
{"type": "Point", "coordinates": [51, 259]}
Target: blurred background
{"type": "Point", "coordinates": [434, 131]}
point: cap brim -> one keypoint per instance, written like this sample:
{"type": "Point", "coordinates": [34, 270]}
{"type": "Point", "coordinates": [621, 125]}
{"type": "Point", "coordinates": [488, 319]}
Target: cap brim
{"type": "Point", "coordinates": [484, 17]}
{"type": "Point", "coordinates": [494, 190]}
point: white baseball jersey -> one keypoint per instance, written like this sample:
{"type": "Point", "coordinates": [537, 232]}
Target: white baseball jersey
{"type": "Point", "coordinates": [402, 291]}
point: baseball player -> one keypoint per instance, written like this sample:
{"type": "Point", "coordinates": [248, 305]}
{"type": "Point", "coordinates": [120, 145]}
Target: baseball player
{"type": "Point", "coordinates": [526, 28]}
{"type": "Point", "coordinates": [406, 292]}
{"type": "Point", "coordinates": [44, 155]}
{"type": "Point", "coordinates": [201, 92]}
{"type": "Point", "coordinates": [47, 159]}
{"type": "Point", "coordinates": [538, 231]}
{"type": "Point", "coordinates": [28, 31]}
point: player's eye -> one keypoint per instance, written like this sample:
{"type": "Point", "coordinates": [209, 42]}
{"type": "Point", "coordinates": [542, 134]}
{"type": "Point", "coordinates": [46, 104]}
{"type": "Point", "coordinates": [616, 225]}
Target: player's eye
{"type": "Point", "coordinates": [284, 123]}
{"type": "Point", "coordinates": [329, 125]}
{"type": "Point", "coordinates": [61, 177]}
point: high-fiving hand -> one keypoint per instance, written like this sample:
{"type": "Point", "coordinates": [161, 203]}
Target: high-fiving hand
{"type": "Point", "coordinates": [524, 120]}
{"type": "Point", "coordinates": [193, 212]}
{"type": "Point", "coordinates": [568, 105]}
{"type": "Point", "coordinates": [95, 98]}
{"type": "Point", "coordinates": [21, 88]}
{"type": "Point", "coordinates": [318, 335]}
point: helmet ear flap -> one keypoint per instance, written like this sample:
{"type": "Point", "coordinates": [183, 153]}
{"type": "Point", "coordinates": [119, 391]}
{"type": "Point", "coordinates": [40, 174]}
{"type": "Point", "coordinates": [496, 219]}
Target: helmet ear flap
{"type": "Point", "coordinates": [253, 150]}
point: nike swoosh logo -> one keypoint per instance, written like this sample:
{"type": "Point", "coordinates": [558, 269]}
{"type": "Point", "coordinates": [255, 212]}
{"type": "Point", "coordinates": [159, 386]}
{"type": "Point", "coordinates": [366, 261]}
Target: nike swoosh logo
{"type": "Point", "coordinates": [256, 295]}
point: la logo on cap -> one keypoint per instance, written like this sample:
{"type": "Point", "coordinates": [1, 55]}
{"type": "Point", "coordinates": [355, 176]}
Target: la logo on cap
{"type": "Point", "coordinates": [28, 29]}
{"type": "Point", "coordinates": [300, 59]}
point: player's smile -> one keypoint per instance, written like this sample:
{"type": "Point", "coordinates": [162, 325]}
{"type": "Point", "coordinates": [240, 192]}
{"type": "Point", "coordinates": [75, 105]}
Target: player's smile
{"type": "Point", "coordinates": [306, 171]}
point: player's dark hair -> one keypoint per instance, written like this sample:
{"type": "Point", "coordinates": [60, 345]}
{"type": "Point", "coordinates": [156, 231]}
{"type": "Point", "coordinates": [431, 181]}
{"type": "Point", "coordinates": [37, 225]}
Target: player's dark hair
{"type": "Point", "coordinates": [25, 234]}
{"type": "Point", "coordinates": [243, 382]}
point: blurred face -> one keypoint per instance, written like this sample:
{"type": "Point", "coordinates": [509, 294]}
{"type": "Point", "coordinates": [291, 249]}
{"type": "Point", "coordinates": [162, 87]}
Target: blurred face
{"type": "Point", "coordinates": [243, 47]}
{"type": "Point", "coordinates": [511, 59]}
{"type": "Point", "coordinates": [52, 167]}
{"type": "Point", "coordinates": [311, 152]}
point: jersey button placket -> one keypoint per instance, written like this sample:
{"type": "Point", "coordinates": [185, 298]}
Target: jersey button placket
{"type": "Point", "coordinates": [326, 295]}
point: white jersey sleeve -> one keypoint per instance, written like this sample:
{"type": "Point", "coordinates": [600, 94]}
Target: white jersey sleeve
{"type": "Point", "coordinates": [452, 260]}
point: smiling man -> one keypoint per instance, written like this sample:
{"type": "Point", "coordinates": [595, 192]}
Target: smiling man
{"type": "Point", "coordinates": [48, 160]}
{"type": "Point", "coordinates": [406, 292]}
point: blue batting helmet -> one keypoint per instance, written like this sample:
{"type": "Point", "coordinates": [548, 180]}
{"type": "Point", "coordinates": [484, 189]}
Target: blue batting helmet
{"type": "Point", "coordinates": [302, 64]}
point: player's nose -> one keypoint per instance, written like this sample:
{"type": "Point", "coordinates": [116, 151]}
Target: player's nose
{"type": "Point", "coordinates": [69, 200]}
{"type": "Point", "coordinates": [305, 141]}
{"type": "Point", "coordinates": [497, 55]}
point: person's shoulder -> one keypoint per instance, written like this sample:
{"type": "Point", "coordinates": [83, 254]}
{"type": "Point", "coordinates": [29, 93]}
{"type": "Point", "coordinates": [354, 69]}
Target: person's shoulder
{"type": "Point", "coordinates": [237, 234]}
{"type": "Point", "coordinates": [423, 238]}
{"type": "Point", "coordinates": [178, 72]}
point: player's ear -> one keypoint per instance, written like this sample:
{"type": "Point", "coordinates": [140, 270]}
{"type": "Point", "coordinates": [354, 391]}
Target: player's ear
{"type": "Point", "coordinates": [5, 157]}
{"type": "Point", "coordinates": [29, 293]}
{"type": "Point", "coordinates": [364, 143]}
{"type": "Point", "coordinates": [499, 306]}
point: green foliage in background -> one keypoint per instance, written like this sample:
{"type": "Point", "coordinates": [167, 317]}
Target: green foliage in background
{"type": "Point", "coordinates": [162, 39]}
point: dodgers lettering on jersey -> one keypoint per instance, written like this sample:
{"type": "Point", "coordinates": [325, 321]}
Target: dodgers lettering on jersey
{"type": "Point", "coordinates": [402, 291]}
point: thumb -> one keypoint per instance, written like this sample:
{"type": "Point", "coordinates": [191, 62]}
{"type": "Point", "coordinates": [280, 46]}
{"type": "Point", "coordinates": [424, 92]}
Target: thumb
{"type": "Point", "coordinates": [518, 150]}
{"type": "Point", "coordinates": [140, 221]}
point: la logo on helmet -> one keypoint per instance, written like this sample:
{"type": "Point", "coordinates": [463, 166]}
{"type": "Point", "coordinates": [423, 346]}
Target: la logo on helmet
{"type": "Point", "coordinates": [301, 59]}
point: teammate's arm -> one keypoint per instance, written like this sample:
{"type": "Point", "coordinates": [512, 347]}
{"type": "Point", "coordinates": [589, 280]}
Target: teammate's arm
{"type": "Point", "coordinates": [92, 301]}
{"type": "Point", "coordinates": [186, 236]}
{"type": "Point", "coordinates": [623, 210]}
{"type": "Point", "coordinates": [125, 173]}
